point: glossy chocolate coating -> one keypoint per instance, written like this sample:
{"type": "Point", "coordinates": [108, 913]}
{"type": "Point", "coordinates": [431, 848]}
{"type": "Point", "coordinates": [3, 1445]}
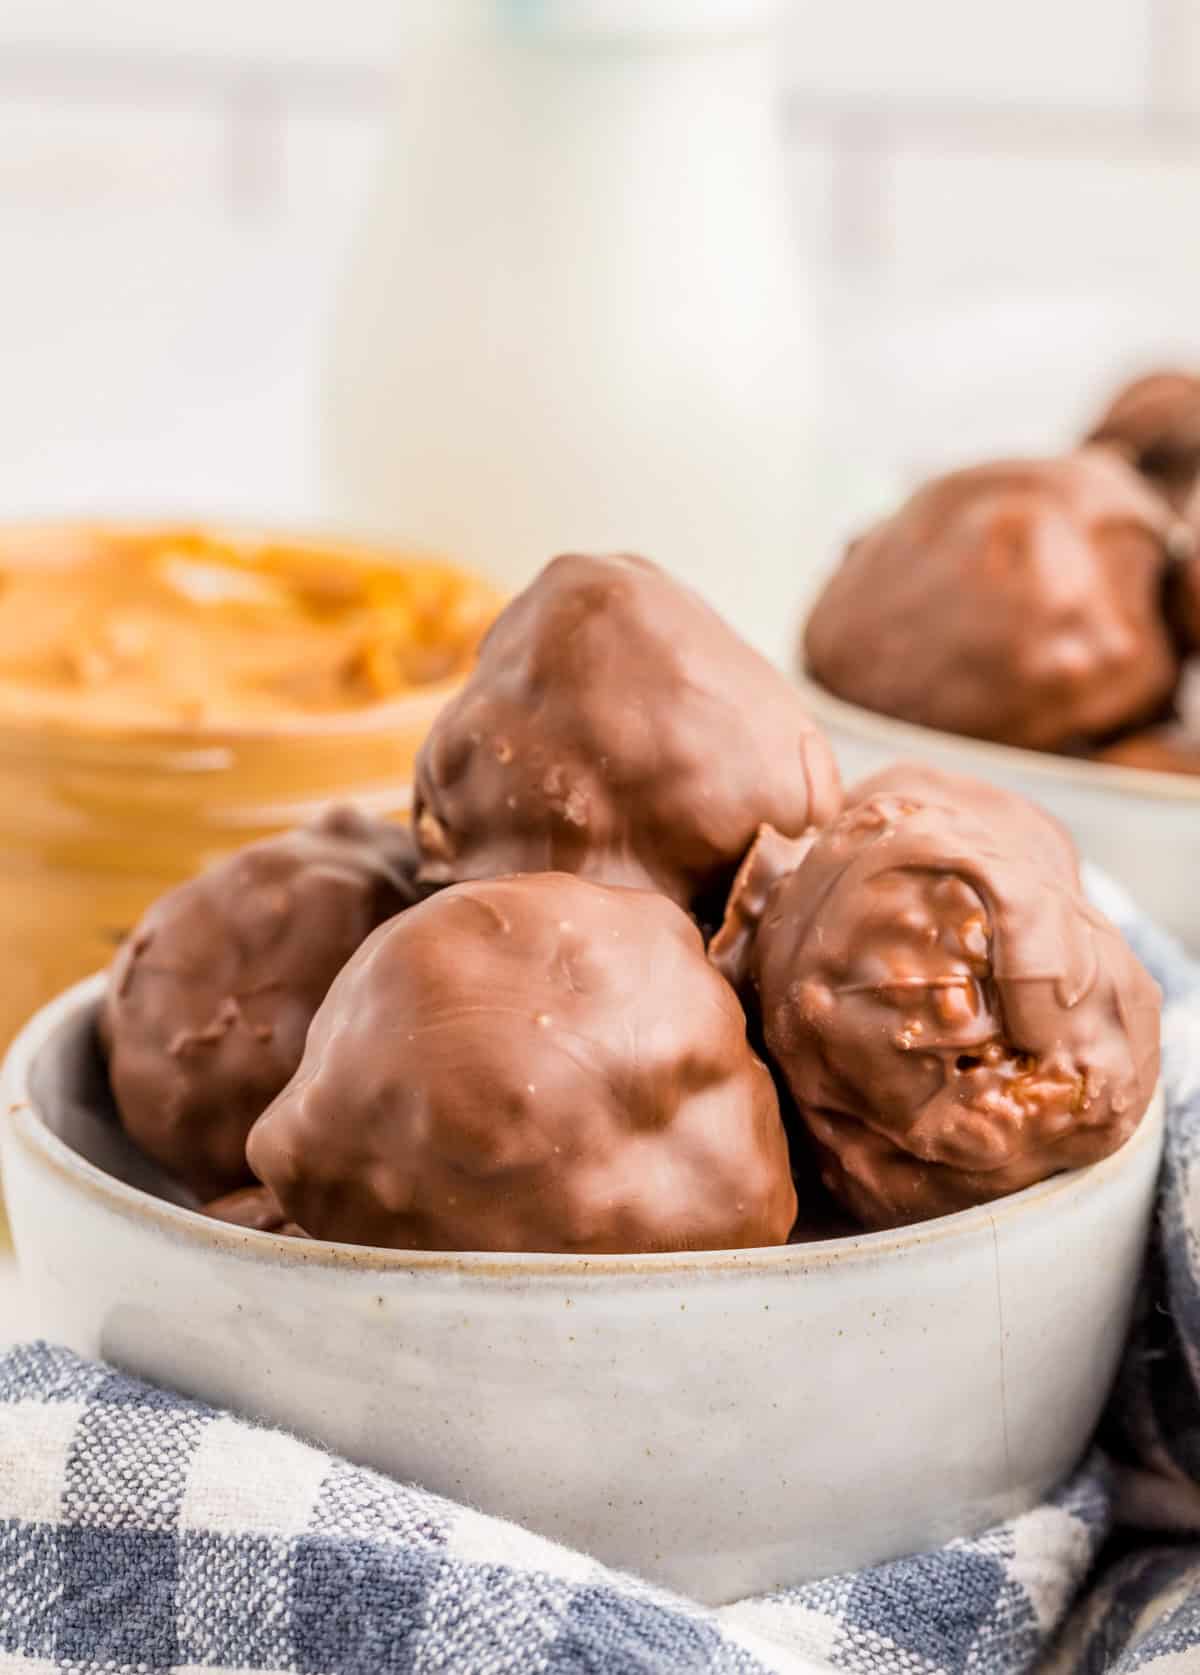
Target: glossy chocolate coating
{"type": "Point", "coordinates": [210, 997]}
{"type": "Point", "coordinates": [1155, 423]}
{"type": "Point", "coordinates": [1020, 602]}
{"type": "Point", "coordinates": [531, 1064]}
{"type": "Point", "coordinates": [254, 1207]}
{"type": "Point", "coordinates": [953, 1018]}
{"type": "Point", "coordinates": [616, 728]}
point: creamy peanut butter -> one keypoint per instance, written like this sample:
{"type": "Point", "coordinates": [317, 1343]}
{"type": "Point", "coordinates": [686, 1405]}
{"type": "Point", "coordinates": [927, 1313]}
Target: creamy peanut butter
{"type": "Point", "coordinates": [167, 695]}
{"type": "Point", "coordinates": [169, 628]}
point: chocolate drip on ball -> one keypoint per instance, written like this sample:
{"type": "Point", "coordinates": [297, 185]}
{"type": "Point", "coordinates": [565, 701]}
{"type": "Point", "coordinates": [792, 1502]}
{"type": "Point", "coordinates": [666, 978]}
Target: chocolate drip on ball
{"type": "Point", "coordinates": [616, 728]}
{"type": "Point", "coordinates": [953, 1018]}
{"type": "Point", "coordinates": [531, 1064]}
{"type": "Point", "coordinates": [1020, 602]}
{"type": "Point", "coordinates": [210, 997]}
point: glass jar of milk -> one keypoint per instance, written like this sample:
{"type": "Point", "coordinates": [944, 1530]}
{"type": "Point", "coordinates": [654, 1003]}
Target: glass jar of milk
{"type": "Point", "coordinates": [574, 318]}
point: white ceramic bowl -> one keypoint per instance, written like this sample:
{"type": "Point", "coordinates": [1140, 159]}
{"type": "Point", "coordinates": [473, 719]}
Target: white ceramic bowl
{"type": "Point", "coordinates": [1143, 828]}
{"type": "Point", "coordinates": [720, 1422]}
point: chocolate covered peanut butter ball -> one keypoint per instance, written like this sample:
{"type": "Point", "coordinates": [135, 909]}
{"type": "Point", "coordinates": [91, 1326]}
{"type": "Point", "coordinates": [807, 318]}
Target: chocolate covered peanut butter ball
{"type": "Point", "coordinates": [535, 1063]}
{"type": "Point", "coordinates": [210, 997]}
{"type": "Point", "coordinates": [255, 1208]}
{"type": "Point", "coordinates": [953, 1018]}
{"type": "Point", "coordinates": [1155, 423]}
{"type": "Point", "coordinates": [1020, 602]}
{"type": "Point", "coordinates": [616, 728]}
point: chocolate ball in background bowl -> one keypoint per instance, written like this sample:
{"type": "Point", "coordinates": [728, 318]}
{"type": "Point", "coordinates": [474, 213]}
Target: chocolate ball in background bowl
{"type": "Point", "coordinates": [210, 997]}
{"type": "Point", "coordinates": [1183, 592]}
{"type": "Point", "coordinates": [1172, 746]}
{"type": "Point", "coordinates": [535, 1063]}
{"type": "Point", "coordinates": [615, 727]}
{"type": "Point", "coordinates": [1018, 602]}
{"type": "Point", "coordinates": [1185, 602]}
{"type": "Point", "coordinates": [954, 1019]}
{"type": "Point", "coordinates": [1155, 423]}
{"type": "Point", "coordinates": [1171, 749]}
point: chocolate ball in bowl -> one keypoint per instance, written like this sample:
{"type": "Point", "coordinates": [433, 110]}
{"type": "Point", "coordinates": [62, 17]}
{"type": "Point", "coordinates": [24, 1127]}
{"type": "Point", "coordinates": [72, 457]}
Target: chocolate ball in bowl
{"type": "Point", "coordinates": [616, 728]}
{"type": "Point", "coordinates": [1155, 423]}
{"type": "Point", "coordinates": [1020, 602]}
{"type": "Point", "coordinates": [255, 1208]}
{"type": "Point", "coordinates": [535, 1063]}
{"type": "Point", "coordinates": [210, 997]}
{"type": "Point", "coordinates": [954, 1019]}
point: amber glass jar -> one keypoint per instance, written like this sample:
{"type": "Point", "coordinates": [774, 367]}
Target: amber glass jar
{"type": "Point", "coordinates": [167, 695]}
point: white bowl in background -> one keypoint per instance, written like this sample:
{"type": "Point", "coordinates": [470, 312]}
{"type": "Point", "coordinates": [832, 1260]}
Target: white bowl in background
{"type": "Point", "coordinates": [1142, 827]}
{"type": "Point", "coordinates": [721, 1422]}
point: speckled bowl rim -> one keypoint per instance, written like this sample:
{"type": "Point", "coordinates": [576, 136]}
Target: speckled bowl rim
{"type": "Point", "coordinates": [27, 1129]}
{"type": "Point", "coordinates": [910, 738]}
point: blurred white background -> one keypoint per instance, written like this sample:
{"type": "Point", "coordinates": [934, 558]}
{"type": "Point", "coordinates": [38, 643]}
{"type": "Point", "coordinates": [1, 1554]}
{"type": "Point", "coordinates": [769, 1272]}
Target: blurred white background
{"type": "Point", "coordinates": [998, 203]}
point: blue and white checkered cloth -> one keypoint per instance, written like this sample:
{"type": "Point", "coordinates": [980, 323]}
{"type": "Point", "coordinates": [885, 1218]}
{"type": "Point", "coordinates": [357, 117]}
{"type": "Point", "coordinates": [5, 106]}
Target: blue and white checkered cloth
{"type": "Point", "coordinates": [141, 1532]}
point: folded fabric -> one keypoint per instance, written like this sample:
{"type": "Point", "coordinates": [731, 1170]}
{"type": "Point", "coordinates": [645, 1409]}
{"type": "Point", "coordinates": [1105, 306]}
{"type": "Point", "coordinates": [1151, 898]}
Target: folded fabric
{"type": "Point", "coordinates": [143, 1532]}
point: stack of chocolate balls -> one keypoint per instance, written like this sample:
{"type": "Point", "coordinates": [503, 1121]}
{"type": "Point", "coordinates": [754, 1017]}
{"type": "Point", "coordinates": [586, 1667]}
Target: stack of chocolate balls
{"type": "Point", "coordinates": [1052, 604]}
{"type": "Point", "coordinates": [640, 979]}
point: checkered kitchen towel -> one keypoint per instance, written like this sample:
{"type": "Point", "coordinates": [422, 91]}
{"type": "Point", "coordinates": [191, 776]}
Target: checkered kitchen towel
{"type": "Point", "coordinates": [141, 1532]}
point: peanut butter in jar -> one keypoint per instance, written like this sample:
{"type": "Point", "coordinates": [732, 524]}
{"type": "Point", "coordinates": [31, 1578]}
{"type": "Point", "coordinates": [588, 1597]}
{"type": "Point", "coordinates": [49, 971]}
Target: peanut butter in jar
{"type": "Point", "coordinates": [167, 695]}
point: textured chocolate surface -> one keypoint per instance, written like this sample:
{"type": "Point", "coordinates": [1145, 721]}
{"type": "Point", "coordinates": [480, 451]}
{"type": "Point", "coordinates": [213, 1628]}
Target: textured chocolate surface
{"type": "Point", "coordinates": [254, 1207]}
{"type": "Point", "coordinates": [1155, 423]}
{"type": "Point", "coordinates": [616, 728]}
{"type": "Point", "coordinates": [531, 1064]}
{"type": "Point", "coordinates": [954, 1020]}
{"type": "Point", "coordinates": [210, 997]}
{"type": "Point", "coordinates": [1020, 602]}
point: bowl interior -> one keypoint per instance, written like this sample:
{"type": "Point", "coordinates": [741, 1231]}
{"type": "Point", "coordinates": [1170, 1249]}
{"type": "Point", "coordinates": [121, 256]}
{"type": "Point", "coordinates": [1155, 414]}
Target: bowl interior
{"type": "Point", "coordinates": [68, 1087]}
